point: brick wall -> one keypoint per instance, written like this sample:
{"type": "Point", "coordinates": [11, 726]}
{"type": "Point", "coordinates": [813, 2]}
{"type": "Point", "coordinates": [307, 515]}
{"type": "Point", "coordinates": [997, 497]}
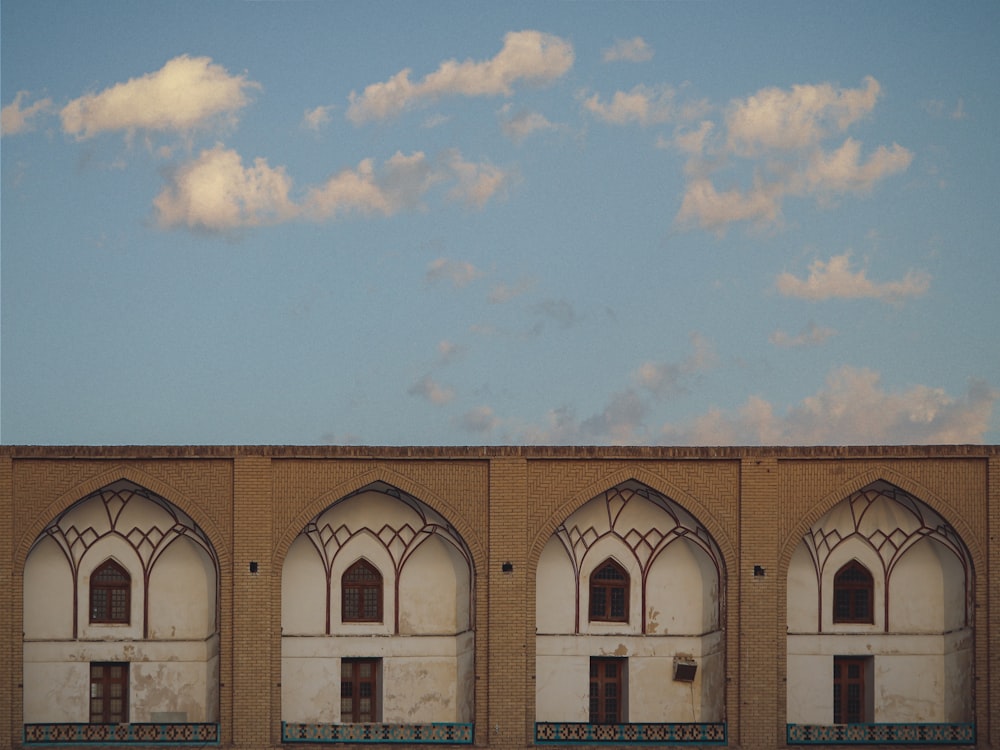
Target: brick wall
{"type": "Point", "coordinates": [505, 502]}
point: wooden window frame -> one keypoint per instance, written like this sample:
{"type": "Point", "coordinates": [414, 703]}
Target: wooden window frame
{"type": "Point", "coordinates": [850, 704]}
{"type": "Point", "coordinates": [609, 589]}
{"type": "Point", "coordinates": [607, 690]}
{"type": "Point", "coordinates": [854, 595]}
{"type": "Point", "coordinates": [103, 682]}
{"type": "Point", "coordinates": [353, 684]}
{"type": "Point", "coordinates": [110, 600]}
{"type": "Point", "coordinates": [363, 581]}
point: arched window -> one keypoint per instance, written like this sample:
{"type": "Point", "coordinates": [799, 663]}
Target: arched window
{"type": "Point", "coordinates": [609, 585]}
{"type": "Point", "coordinates": [361, 593]}
{"type": "Point", "coordinates": [110, 594]}
{"type": "Point", "coordinates": [853, 594]}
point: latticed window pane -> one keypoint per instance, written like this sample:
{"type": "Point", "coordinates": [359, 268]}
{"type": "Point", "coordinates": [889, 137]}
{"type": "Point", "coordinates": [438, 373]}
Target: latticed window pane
{"type": "Point", "coordinates": [606, 676]}
{"type": "Point", "coordinates": [609, 586]}
{"type": "Point", "coordinates": [849, 690]}
{"type": "Point", "coordinates": [359, 691]}
{"type": "Point", "coordinates": [110, 594]}
{"type": "Point", "coordinates": [853, 594]}
{"type": "Point", "coordinates": [361, 593]}
{"type": "Point", "coordinates": [108, 693]}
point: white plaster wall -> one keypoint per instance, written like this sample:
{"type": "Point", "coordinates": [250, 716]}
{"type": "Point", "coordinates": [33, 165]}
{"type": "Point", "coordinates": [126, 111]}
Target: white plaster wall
{"type": "Point", "coordinates": [434, 590]}
{"type": "Point", "coordinates": [917, 677]}
{"type": "Point", "coordinates": [303, 590]}
{"type": "Point", "coordinates": [562, 687]}
{"type": "Point", "coordinates": [802, 593]}
{"type": "Point", "coordinates": [562, 677]}
{"type": "Point", "coordinates": [164, 676]}
{"type": "Point", "coordinates": [927, 590]}
{"type": "Point", "coordinates": [959, 675]}
{"type": "Point", "coordinates": [810, 688]}
{"type": "Point", "coordinates": [555, 590]}
{"type": "Point", "coordinates": [182, 586]}
{"type": "Point", "coordinates": [56, 691]}
{"type": "Point", "coordinates": [424, 678]}
{"type": "Point", "coordinates": [682, 591]}
{"type": "Point", "coordinates": [48, 593]}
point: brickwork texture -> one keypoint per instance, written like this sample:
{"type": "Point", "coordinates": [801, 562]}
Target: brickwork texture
{"type": "Point", "coordinates": [505, 502]}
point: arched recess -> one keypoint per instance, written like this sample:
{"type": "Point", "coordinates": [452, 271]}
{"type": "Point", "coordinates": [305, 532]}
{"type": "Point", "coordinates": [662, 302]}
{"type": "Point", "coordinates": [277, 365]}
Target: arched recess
{"type": "Point", "coordinates": [427, 573]}
{"type": "Point", "coordinates": [923, 586]}
{"type": "Point", "coordinates": [674, 565]}
{"type": "Point", "coordinates": [168, 645]}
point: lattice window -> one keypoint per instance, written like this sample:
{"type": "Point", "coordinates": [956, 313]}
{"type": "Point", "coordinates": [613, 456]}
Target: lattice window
{"type": "Point", "coordinates": [609, 585]}
{"type": "Point", "coordinates": [849, 703]}
{"type": "Point", "coordinates": [109, 692]}
{"type": "Point", "coordinates": [359, 690]}
{"type": "Point", "coordinates": [361, 593]}
{"type": "Point", "coordinates": [853, 594]}
{"type": "Point", "coordinates": [607, 677]}
{"type": "Point", "coordinates": [110, 594]}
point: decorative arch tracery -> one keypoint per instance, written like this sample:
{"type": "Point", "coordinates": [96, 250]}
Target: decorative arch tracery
{"type": "Point", "coordinates": [399, 542]}
{"type": "Point", "coordinates": [890, 521]}
{"type": "Point", "coordinates": [645, 545]}
{"type": "Point", "coordinates": [115, 504]}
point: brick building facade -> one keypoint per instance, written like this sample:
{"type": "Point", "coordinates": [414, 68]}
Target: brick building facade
{"type": "Point", "coordinates": [746, 578]}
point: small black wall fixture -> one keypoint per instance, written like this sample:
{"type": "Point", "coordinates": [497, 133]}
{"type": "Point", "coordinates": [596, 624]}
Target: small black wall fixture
{"type": "Point", "coordinates": [253, 567]}
{"type": "Point", "coordinates": [507, 567]}
{"type": "Point", "coordinates": [758, 571]}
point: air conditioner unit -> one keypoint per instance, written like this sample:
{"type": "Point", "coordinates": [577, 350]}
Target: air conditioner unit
{"type": "Point", "coordinates": [685, 668]}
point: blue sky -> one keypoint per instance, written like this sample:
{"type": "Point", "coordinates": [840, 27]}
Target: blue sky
{"type": "Point", "coordinates": [500, 223]}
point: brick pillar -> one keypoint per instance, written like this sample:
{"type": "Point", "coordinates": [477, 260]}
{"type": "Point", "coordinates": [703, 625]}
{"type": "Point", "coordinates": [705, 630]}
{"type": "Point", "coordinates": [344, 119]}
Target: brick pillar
{"type": "Point", "coordinates": [252, 681]}
{"type": "Point", "coordinates": [11, 678]}
{"type": "Point", "coordinates": [758, 605]}
{"type": "Point", "coordinates": [988, 627]}
{"type": "Point", "coordinates": [507, 674]}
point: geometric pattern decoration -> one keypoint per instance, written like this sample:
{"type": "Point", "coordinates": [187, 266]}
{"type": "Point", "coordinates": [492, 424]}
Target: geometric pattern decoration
{"type": "Point", "coordinates": [328, 534]}
{"type": "Point", "coordinates": [575, 733]}
{"type": "Point", "coordinates": [890, 521]}
{"type": "Point", "coordinates": [409, 734]}
{"type": "Point", "coordinates": [619, 519]}
{"type": "Point", "coordinates": [113, 734]}
{"type": "Point", "coordinates": [881, 734]}
{"type": "Point", "coordinates": [122, 509]}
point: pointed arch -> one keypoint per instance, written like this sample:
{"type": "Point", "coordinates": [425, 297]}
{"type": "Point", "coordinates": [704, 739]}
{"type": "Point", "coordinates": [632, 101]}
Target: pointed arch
{"type": "Point", "coordinates": [609, 592]}
{"type": "Point", "coordinates": [361, 593]}
{"type": "Point", "coordinates": [853, 594]}
{"type": "Point", "coordinates": [110, 594]}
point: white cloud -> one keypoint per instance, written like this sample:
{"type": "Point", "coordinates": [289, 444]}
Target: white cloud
{"type": "Point", "coordinates": [215, 192]}
{"type": "Point", "coordinates": [481, 419]}
{"type": "Point", "coordinates": [835, 279]}
{"type": "Point", "coordinates": [14, 119]}
{"type": "Point", "coordinates": [628, 50]}
{"type": "Point", "coordinates": [185, 94]}
{"type": "Point", "coordinates": [502, 293]}
{"type": "Point", "coordinates": [712, 210]}
{"type": "Point", "coordinates": [811, 335]}
{"type": "Point", "coordinates": [431, 390]}
{"type": "Point", "coordinates": [530, 56]}
{"type": "Point", "coordinates": [316, 118]}
{"type": "Point", "coordinates": [852, 408]}
{"type": "Point", "coordinates": [841, 171]}
{"type": "Point", "coordinates": [780, 134]}
{"type": "Point", "coordinates": [476, 183]}
{"type": "Point", "coordinates": [448, 351]}
{"type": "Point", "coordinates": [519, 126]}
{"type": "Point", "coordinates": [459, 273]}
{"type": "Point", "coordinates": [644, 105]}
{"type": "Point", "coordinates": [775, 119]}
{"type": "Point", "coordinates": [664, 379]}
